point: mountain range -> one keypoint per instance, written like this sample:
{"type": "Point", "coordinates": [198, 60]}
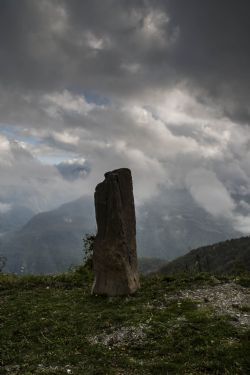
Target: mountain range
{"type": "Point", "coordinates": [173, 225]}
{"type": "Point", "coordinates": [14, 218]}
{"type": "Point", "coordinates": [51, 242]}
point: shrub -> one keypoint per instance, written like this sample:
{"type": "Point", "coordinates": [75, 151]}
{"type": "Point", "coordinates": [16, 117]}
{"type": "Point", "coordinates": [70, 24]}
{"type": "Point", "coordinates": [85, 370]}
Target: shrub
{"type": "Point", "coordinates": [3, 261]}
{"type": "Point", "coordinates": [88, 248]}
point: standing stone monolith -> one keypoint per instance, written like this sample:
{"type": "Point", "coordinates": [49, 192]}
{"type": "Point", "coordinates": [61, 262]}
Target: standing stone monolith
{"type": "Point", "coordinates": [115, 257]}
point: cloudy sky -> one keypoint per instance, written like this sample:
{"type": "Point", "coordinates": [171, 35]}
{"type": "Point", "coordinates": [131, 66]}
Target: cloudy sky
{"type": "Point", "coordinates": [159, 86]}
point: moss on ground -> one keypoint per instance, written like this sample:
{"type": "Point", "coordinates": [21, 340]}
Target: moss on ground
{"type": "Point", "coordinates": [53, 325]}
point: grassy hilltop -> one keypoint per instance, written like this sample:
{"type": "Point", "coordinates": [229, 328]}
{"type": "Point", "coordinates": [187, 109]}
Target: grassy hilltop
{"type": "Point", "coordinates": [173, 325]}
{"type": "Point", "coordinates": [228, 257]}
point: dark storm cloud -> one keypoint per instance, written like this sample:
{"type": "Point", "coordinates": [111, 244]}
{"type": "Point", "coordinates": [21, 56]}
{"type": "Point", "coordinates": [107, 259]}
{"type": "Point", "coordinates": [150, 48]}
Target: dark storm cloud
{"type": "Point", "coordinates": [99, 45]}
{"type": "Point", "coordinates": [213, 37]}
{"type": "Point", "coordinates": [213, 49]}
{"type": "Point", "coordinates": [128, 46]}
{"type": "Point", "coordinates": [20, 22]}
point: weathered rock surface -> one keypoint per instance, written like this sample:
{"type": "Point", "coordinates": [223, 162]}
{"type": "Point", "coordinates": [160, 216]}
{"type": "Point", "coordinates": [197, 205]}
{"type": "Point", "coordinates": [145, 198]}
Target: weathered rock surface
{"type": "Point", "coordinates": [115, 257]}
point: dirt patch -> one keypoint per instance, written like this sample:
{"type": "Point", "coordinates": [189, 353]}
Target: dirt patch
{"type": "Point", "coordinates": [227, 298]}
{"type": "Point", "coordinates": [120, 336]}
